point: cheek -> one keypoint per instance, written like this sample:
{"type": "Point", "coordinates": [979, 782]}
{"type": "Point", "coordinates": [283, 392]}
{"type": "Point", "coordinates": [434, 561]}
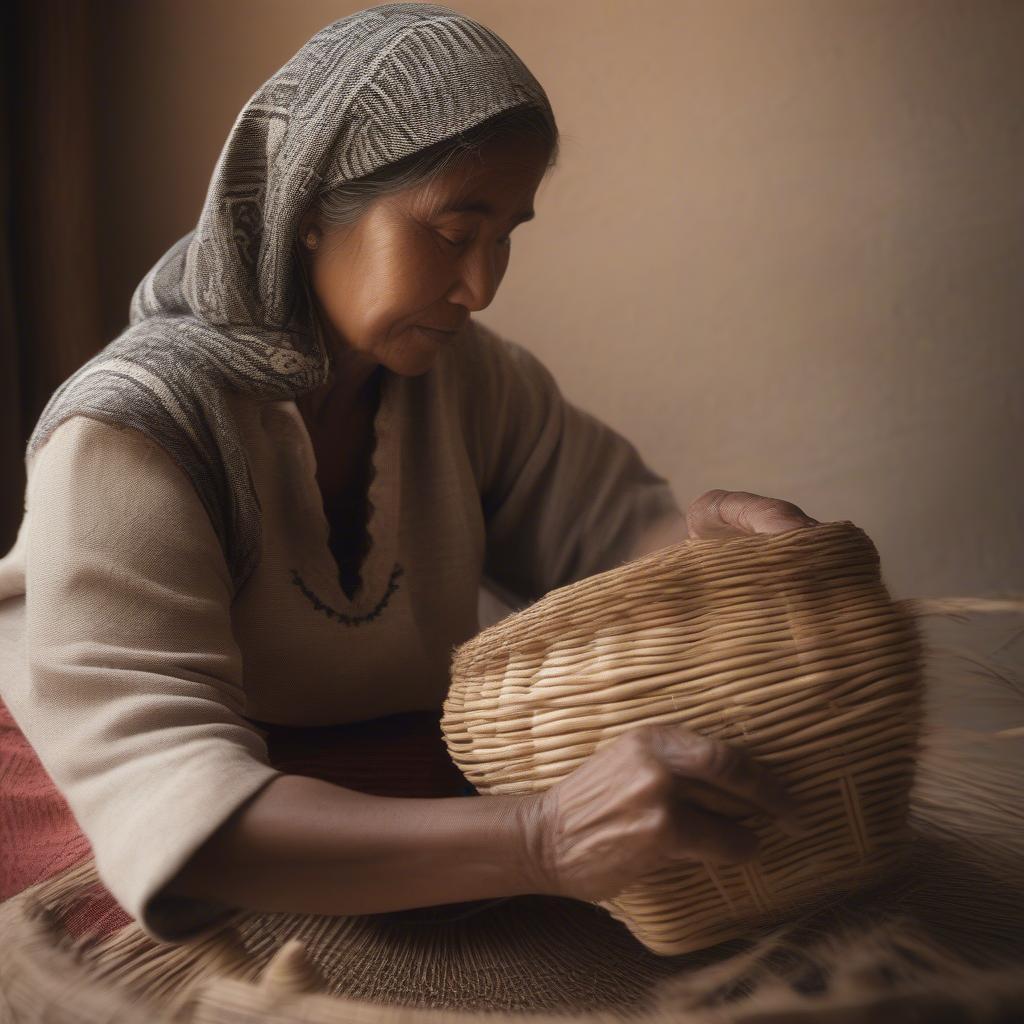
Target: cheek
{"type": "Point", "coordinates": [410, 282]}
{"type": "Point", "coordinates": [383, 288]}
{"type": "Point", "coordinates": [331, 285]}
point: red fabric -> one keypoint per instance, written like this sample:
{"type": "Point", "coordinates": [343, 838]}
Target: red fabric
{"type": "Point", "coordinates": [399, 755]}
{"type": "Point", "coordinates": [39, 836]}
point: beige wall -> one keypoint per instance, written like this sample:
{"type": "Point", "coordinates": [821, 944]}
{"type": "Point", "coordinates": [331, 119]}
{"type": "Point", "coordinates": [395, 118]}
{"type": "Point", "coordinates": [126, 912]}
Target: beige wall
{"type": "Point", "coordinates": [783, 250]}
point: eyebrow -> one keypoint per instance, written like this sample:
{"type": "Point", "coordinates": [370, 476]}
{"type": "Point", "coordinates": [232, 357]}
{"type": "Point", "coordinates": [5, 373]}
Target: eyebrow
{"type": "Point", "coordinates": [479, 206]}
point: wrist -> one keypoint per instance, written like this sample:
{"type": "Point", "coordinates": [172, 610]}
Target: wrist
{"type": "Point", "coordinates": [535, 862]}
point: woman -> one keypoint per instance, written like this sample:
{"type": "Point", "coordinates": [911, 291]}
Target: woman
{"type": "Point", "coordinates": [273, 498]}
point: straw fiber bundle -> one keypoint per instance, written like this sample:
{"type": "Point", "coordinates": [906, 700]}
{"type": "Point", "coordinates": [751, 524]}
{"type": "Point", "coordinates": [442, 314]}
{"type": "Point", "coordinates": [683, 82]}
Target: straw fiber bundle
{"type": "Point", "coordinates": [936, 934]}
{"type": "Point", "coordinates": [786, 644]}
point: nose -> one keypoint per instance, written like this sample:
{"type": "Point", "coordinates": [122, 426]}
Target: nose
{"type": "Point", "coordinates": [480, 273]}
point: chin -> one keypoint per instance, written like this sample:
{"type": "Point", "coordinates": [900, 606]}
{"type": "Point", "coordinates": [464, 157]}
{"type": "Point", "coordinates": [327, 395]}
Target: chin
{"type": "Point", "coordinates": [414, 360]}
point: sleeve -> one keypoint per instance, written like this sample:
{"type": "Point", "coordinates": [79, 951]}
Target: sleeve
{"type": "Point", "coordinates": [564, 495]}
{"type": "Point", "coordinates": [133, 698]}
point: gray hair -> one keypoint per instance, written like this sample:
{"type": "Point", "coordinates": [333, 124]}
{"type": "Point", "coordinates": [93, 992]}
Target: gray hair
{"type": "Point", "coordinates": [348, 202]}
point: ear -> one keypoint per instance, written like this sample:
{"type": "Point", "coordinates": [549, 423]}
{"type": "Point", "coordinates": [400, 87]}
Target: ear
{"type": "Point", "coordinates": [308, 221]}
{"type": "Point", "coordinates": [308, 218]}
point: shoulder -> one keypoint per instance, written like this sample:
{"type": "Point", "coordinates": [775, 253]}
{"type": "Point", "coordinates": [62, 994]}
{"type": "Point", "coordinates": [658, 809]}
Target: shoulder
{"type": "Point", "coordinates": [88, 464]}
{"type": "Point", "coordinates": [143, 376]}
{"type": "Point", "coordinates": [82, 440]}
{"type": "Point", "coordinates": [97, 486]}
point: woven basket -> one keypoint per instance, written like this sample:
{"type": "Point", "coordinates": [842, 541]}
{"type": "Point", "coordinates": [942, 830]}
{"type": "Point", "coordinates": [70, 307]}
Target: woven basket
{"type": "Point", "coordinates": [788, 645]}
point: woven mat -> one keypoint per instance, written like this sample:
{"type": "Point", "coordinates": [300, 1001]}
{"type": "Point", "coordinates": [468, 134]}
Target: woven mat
{"type": "Point", "coordinates": [942, 940]}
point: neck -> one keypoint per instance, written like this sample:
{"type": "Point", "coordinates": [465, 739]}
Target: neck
{"type": "Point", "coordinates": [352, 383]}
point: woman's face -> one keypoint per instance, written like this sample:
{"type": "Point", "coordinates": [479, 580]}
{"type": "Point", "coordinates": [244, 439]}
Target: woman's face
{"type": "Point", "coordinates": [413, 260]}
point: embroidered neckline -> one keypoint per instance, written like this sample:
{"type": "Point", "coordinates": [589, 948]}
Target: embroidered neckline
{"type": "Point", "coordinates": [349, 620]}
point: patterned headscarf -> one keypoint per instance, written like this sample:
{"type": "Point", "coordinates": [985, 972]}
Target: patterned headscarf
{"type": "Point", "coordinates": [224, 308]}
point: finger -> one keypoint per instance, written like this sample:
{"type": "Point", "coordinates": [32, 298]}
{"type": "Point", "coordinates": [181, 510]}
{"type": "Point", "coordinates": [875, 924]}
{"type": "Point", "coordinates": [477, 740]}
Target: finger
{"type": "Point", "coordinates": [718, 801]}
{"type": "Point", "coordinates": [719, 513]}
{"type": "Point", "coordinates": [756, 513]}
{"type": "Point", "coordinates": [703, 794]}
{"type": "Point", "coordinates": [703, 520]}
{"type": "Point", "coordinates": [703, 835]}
{"type": "Point", "coordinates": [725, 767]}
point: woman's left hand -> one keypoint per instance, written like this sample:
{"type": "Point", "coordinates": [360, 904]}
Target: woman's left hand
{"type": "Point", "coordinates": [720, 513]}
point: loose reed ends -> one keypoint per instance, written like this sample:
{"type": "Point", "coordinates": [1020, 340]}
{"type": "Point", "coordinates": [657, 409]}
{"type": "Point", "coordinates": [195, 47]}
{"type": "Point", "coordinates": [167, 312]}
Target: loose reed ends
{"type": "Point", "coordinates": [786, 644]}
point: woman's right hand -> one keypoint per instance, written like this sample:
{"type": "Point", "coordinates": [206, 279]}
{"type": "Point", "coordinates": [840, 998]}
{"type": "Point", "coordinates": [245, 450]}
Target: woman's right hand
{"type": "Point", "coordinates": [655, 794]}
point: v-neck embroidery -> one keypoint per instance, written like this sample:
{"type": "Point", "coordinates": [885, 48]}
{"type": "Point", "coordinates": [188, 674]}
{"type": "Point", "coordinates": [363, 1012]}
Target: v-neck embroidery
{"type": "Point", "coordinates": [319, 579]}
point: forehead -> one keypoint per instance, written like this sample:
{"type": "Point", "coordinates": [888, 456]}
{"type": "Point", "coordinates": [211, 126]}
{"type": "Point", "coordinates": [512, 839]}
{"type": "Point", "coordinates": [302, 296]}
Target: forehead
{"type": "Point", "coordinates": [484, 207]}
{"type": "Point", "coordinates": [499, 180]}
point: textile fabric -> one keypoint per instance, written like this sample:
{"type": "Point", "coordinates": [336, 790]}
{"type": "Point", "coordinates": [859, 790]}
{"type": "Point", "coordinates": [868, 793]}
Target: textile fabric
{"type": "Point", "coordinates": [224, 309]}
{"type": "Point", "coordinates": [137, 675]}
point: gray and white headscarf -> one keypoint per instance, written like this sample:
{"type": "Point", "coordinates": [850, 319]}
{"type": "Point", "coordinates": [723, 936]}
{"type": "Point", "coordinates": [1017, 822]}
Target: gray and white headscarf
{"type": "Point", "coordinates": [224, 308]}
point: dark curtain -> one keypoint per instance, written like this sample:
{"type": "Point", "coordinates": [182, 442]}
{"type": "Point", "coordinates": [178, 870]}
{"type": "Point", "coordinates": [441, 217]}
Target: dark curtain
{"type": "Point", "coordinates": [50, 320]}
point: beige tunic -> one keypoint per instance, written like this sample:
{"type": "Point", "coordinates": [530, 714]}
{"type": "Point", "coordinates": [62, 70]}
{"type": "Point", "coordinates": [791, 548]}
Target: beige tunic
{"type": "Point", "coordinates": [133, 673]}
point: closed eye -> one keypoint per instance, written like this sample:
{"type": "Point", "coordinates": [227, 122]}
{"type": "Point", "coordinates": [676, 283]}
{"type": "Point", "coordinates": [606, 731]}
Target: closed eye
{"type": "Point", "coordinates": [456, 242]}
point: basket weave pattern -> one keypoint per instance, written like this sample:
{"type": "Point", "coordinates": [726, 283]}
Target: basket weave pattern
{"type": "Point", "coordinates": [788, 645]}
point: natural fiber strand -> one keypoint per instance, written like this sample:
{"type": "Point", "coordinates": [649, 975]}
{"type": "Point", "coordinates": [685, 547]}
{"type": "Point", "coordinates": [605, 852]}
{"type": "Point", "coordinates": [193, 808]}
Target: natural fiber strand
{"type": "Point", "coordinates": [940, 934]}
{"type": "Point", "coordinates": [829, 697]}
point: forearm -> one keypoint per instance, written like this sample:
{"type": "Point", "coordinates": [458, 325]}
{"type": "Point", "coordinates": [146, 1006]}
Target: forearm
{"type": "Point", "coordinates": [303, 845]}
